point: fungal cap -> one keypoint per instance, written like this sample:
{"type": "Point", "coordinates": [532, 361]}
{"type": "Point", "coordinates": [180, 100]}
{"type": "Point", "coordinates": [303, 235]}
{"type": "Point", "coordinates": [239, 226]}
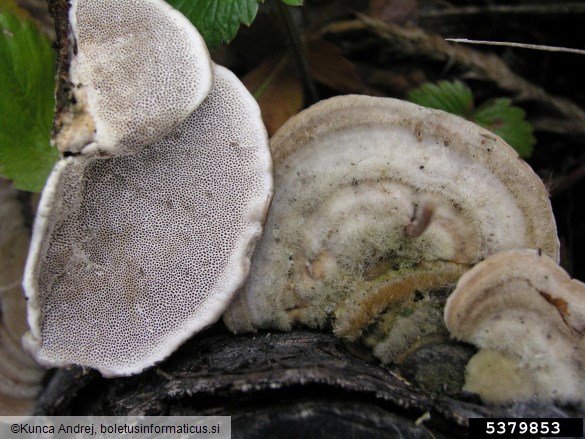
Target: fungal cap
{"type": "Point", "coordinates": [446, 145]}
{"type": "Point", "coordinates": [368, 188]}
{"type": "Point", "coordinates": [483, 292]}
{"type": "Point", "coordinates": [528, 318]}
{"type": "Point", "coordinates": [133, 255]}
{"type": "Point", "coordinates": [139, 68]}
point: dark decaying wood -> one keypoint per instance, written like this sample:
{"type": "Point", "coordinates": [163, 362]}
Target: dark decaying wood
{"type": "Point", "coordinates": [298, 384]}
{"type": "Point", "coordinates": [59, 10]}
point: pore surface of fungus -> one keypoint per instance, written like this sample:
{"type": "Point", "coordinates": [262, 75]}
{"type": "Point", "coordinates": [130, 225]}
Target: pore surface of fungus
{"type": "Point", "coordinates": [138, 68]}
{"type": "Point", "coordinates": [528, 317]}
{"type": "Point", "coordinates": [20, 377]}
{"type": "Point", "coordinates": [376, 200]}
{"type": "Point", "coordinates": [132, 255]}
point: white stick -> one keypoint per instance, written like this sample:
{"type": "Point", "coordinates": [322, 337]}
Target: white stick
{"type": "Point", "coordinates": [521, 45]}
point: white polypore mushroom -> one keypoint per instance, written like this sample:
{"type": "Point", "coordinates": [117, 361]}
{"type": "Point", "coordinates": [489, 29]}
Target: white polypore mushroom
{"type": "Point", "coordinates": [132, 255]}
{"type": "Point", "coordinates": [138, 68]}
{"type": "Point", "coordinates": [20, 377]}
{"type": "Point", "coordinates": [528, 318]}
{"type": "Point", "coordinates": [376, 199]}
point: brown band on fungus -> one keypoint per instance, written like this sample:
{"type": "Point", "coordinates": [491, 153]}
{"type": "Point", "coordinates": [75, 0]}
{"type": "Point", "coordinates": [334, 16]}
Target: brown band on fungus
{"type": "Point", "coordinates": [421, 220]}
{"type": "Point", "coordinates": [557, 302]}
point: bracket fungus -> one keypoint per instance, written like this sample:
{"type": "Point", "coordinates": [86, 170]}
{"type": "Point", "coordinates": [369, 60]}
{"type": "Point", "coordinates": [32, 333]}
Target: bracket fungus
{"type": "Point", "coordinates": [379, 206]}
{"type": "Point", "coordinates": [131, 255]}
{"type": "Point", "coordinates": [20, 377]}
{"type": "Point", "coordinates": [527, 316]}
{"type": "Point", "coordinates": [142, 238]}
{"type": "Point", "coordinates": [138, 68]}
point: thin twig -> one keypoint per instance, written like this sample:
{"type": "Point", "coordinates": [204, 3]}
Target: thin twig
{"type": "Point", "coordinates": [568, 181]}
{"type": "Point", "coordinates": [520, 45]}
{"type": "Point", "coordinates": [297, 52]}
{"type": "Point", "coordinates": [416, 42]}
{"type": "Point", "coordinates": [544, 9]}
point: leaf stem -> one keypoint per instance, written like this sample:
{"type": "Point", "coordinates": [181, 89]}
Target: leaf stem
{"type": "Point", "coordinates": [296, 49]}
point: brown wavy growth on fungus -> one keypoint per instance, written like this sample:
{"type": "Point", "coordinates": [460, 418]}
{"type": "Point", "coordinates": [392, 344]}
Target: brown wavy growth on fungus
{"type": "Point", "coordinates": [380, 206]}
{"type": "Point", "coordinates": [20, 377]}
{"type": "Point", "coordinates": [527, 316]}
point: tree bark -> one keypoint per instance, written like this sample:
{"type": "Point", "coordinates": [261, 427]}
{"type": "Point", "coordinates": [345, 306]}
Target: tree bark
{"type": "Point", "coordinates": [298, 384]}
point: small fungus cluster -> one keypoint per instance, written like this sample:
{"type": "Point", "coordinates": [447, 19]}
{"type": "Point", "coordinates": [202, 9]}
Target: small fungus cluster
{"type": "Point", "coordinates": [145, 229]}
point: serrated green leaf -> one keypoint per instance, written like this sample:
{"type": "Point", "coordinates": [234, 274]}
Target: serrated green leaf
{"type": "Point", "coordinates": [508, 122]}
{"type": "Point", "coordinates": [497, 115]}
{"type": "Point", "coordinates": [453, 97]}
{"type": "Point", "coordinates": [27, 74]}
{"type": "Point", "coordinates": [293, 2]}
{"type": "Point", "coordinates": [217, 20]}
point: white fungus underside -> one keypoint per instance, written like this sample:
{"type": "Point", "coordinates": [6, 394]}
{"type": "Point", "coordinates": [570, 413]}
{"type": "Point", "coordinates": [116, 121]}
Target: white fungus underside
{"type": "Point", "coordinates": [150, 248]}
{"type": "Point", "coordinates": [142, 66]}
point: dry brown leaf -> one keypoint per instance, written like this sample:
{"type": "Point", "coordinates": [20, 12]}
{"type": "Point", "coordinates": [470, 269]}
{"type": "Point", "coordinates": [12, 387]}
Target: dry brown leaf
{"type": "Point", "coordinates": [277, 89]}
{"type": "Point", "coordinates": [329, 67]}
{"type": "Point", "coordinates": [395, 11]}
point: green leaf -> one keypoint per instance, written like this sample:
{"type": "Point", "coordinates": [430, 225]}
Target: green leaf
{"type": "Point", "coordinates": [217, 20]}
{"type": "Point", "coordinates": [27, 75]}
{"type": "Point", "coordinates": [293, 2]}
{"type": "Point", "coordinates": [453, 97]}
{"type": "Point", "coordinates": [497, 115]}
{"type": "Point", "coordinates": [507, 121]}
